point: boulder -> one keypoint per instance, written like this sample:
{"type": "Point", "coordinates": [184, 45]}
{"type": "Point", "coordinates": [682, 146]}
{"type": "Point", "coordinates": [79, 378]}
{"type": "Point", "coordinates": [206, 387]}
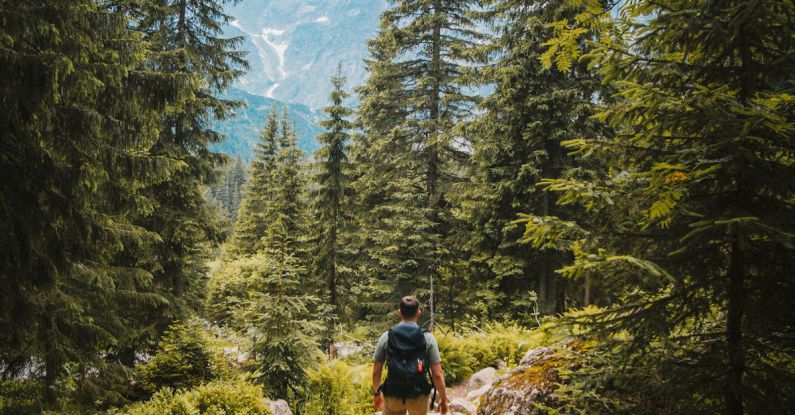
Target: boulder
{"type": "Point", "coordinates": [462, 406]}
{"type": "Point", "coordinates": [279, 407]}
{"type": "Point", "coordinates": [533, 355]}
{"type": "Point", "coordinates": [476, 394]}
{"type": "Point", "coordinates": [534, 381]}
{"type": "Point", "coordinates": [481, 378]}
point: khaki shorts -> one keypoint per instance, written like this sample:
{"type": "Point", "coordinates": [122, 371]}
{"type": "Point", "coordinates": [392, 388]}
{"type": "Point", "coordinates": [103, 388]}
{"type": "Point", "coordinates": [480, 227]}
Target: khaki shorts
{"type": "Point", "coordinates": [414, 406]}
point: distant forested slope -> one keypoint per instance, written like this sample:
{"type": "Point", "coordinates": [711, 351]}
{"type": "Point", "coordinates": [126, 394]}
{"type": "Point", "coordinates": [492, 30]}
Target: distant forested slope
{"type": "Point", "coordinates": [243, 129]}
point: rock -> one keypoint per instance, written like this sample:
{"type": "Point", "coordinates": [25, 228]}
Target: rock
{"type": "Point", "coordinates": [463, 406]}
{"type": "Point", "coordinates": [534, 381]}
{"type": "Point", "coordinates": [501, 365]}
{"type": "Point", "coordinates": [533, 355]}
{"type": "Point", "coordinates": [279, 407]}
{"type": "Point", "coordinates": [481, 378]}
{"type": "Point", "coordinates": [476, 394]}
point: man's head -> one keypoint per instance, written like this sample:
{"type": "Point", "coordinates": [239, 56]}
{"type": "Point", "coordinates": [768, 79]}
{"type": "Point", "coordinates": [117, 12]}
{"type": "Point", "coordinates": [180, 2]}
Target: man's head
{"type": "Point", "coordinates": [409, 309]}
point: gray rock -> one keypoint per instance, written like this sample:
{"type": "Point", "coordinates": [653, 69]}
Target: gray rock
{"type": "Point", "coordinates": [476, 394]}
{"type": "Point", "coordinates": [463, 406]}
{"type": "Point", "coordinates": [534, 355]}
{"type": "Point", "coordinates": [481, 378]}
{"type": "Point", "coordinates": [534, 381]}
{"type": "Point", "coordinates": [279, 407]}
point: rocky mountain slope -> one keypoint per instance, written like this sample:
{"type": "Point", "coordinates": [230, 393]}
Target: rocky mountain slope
{"type": "Point", "coordinates": [294, 45]}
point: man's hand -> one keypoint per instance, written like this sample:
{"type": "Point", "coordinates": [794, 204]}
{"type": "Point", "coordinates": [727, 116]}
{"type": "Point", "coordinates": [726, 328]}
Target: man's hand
{"type": "Point", "coordinates": [443, 406]}
{"type": "Point", "coordinates": [378, 401]}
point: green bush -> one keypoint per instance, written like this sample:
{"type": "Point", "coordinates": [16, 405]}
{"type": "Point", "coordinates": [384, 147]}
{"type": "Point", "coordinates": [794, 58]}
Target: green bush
{"type": "Point", "coordinates": [467, 352]}
{"type": "Point", "coordinates": [20, 397]}
{"type": "Point", "coordinates": [215, 398]}
{"type": "Point", "coordinates": [335, 388]}
{"type": "Point", "coordinates": [184, 360]}
{"type": "Point", "coordinates": [458, 361]}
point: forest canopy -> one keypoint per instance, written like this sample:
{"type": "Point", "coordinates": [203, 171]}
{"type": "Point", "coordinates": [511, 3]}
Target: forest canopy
{"type": "Point", "coordinates": [613, 180]}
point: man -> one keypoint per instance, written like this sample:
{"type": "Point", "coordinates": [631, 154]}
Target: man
{"type": "Point", "coordinates": [408, 351]}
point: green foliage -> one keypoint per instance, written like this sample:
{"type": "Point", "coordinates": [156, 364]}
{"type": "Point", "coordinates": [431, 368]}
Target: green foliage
{"type": "Point", "coordinates": [689, 228]}
{"type": "Point", "coordinates": [233, 397]}
{"type": "Point", "coordinates": [495, 344]}
{"type": "Point", "coordinates": [332, 205]}
{"type": "Point", "coordinates": [19, 397]}
{"type": "Point", "coordinates": [228, 192]}
{"type": "Point", "coordinates": [335, 388]}
{"type": "Point", "coordinates": [183, 360]}
{"type": "Point", "coordinates": [407, 155]}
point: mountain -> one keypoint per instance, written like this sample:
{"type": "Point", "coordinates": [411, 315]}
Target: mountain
{"type": "Point", "coordinates": [294, 45]}
{"type": "Point", "coordinates": [244, 128]}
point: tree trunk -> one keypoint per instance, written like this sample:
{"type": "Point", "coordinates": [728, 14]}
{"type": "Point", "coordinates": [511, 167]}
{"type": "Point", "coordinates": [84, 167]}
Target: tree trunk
{"type": "Point", "coordinates": [734, 334]}
{"type": "Point", "coordinates": [52, 366]}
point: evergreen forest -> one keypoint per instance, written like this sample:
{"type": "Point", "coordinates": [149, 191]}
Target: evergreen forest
{"type": "Point", "coordinates": [595, 198]}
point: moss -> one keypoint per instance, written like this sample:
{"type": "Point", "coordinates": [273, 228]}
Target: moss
{"type": "Point", "coordinates": [539, 376]}
{"type": "Point", "coordinates": [520, 391]}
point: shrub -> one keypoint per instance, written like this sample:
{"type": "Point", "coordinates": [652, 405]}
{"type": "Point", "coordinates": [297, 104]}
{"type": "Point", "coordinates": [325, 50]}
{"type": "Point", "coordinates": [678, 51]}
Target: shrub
{"type": "Point", "coordinates": [467, 352]}
{"type": "Point", "coordinates": [183, 360]}
{"type": "Point", "coordinates": [335, 388]}
{"type": "Point", "coordinates": [458, 361]}
{"type": "Point", "coordinates": [20, 397]}
{"type": "Point", "coordinates": [215, 398]}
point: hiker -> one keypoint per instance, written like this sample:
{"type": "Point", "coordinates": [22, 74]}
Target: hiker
{"type": "Point", "coordinates": [409, 351]}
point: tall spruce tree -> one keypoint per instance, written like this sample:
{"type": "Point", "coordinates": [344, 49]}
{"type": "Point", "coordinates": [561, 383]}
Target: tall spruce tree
{"type": "Point", "coordinates": [278, 313]}
{"type": "Point", "coordinates": [254, 213]}
{"type": "Point", "coordinates": [332, 199]}
{"type": "Point", "coordinates": [517, 143]}
{"type": "Point", "coordinates": [412, 99]}
{"type": "Point", "coordinates": [695, 204]}
{"type": "Point", "coordinates": [187, 34]}
{"type": "Point", "coordinates": [79, 162]}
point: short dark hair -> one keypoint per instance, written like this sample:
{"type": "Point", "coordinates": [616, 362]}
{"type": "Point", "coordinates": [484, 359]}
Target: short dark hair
{"type": "Point", "coordinates": [409, 306]}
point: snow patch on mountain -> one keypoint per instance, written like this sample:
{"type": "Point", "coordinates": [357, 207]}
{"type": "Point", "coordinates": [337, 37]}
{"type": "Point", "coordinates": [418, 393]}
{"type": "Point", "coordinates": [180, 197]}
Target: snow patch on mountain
{"type": "Point", "coordinates": [295, 45]}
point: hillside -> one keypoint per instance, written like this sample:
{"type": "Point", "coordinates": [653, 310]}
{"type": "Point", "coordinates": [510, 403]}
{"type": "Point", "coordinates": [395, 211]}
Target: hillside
{"type": "Point", "coordinates": [244, 128]}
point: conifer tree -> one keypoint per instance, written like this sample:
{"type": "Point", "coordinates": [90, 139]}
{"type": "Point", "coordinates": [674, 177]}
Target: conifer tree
{"type": "Point", "coordinates": [332, 199]}
{"type": "Point", "coordinates": [518, 142]}
{"type": "Point", "coordinates": [186, 36]}
{"type": "Point", "coordinates": [278, 313]}
{"type": "Point", "coordinates": [693, 212]}
{"type": "Point", "coordinates": [254, 213]}
{"type": "Point", "coordinates": [288, 205]}
{"type": "Point", "coordinates": [228, 193]}
{"type": "Point", "coordinates": [416, 73]}
{"type": "Point", "coordinates": [78, 162]}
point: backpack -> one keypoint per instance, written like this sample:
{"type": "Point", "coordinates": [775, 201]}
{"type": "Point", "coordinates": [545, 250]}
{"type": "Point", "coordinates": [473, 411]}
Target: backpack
{"type": "Point", "coordinates": [408, 374]}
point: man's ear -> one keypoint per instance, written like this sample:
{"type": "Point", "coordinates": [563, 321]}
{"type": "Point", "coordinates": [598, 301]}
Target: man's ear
{"type": "Point", "coordinates": [419, 314]}
{"type": "Point", "coordinates": [399, 313]}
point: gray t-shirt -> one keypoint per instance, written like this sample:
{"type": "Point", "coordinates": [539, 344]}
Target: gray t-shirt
{"type": "Point", "coordinates": [431, 350]}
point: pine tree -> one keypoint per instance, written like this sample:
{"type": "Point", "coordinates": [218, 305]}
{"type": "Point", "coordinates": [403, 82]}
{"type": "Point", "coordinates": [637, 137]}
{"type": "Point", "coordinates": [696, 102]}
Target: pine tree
{"type": "Point", "coordinates": [532, 110]}
{"type": "Point", "coordinates": [227, 193]}
{"type": "Point", "coordinates": [186, 35]}
{"type": "Point", "coordinates": [693, 212]}
{"type": "Point", "coordinates": [288, 206]}
{"type": "Point", "coordinates": [410, 102]}
{"type": "Point", "coordinates": [78, 161]}
{"type": "Point", "coordinates": [278, 313]}
{"type": "Point", "coordinates": [332, 199]}
{"type": "Point", "coordinates": [254, 213]}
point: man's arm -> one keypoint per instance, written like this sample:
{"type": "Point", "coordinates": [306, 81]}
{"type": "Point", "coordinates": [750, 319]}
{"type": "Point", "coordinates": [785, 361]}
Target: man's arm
{"type": "Point", "coordinates": [438, 382]}
{"type": "Point", "coordinates": [378, 367]}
